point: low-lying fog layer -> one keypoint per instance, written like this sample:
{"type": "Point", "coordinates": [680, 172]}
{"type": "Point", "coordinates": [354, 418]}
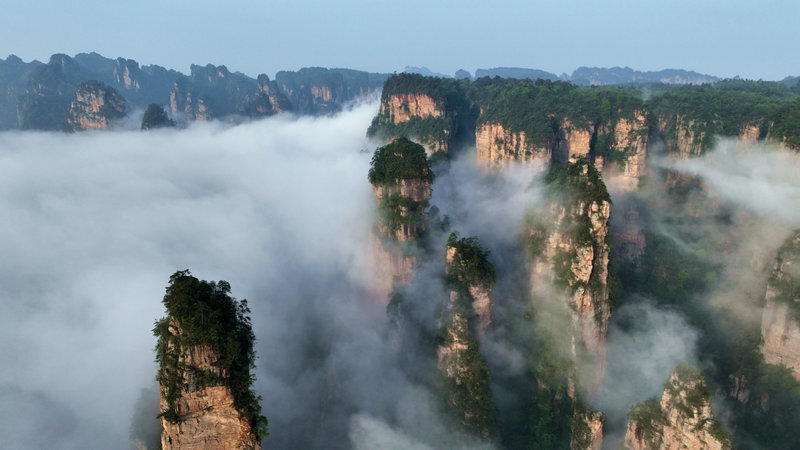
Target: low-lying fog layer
{"type": "Point", "coordinates": [95, 223]}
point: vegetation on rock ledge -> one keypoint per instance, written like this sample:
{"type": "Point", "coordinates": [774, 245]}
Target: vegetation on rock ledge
{"type": "Point", "coordinates": [203, 313]}
{"type": "Point", "coordinates": [402, 159]}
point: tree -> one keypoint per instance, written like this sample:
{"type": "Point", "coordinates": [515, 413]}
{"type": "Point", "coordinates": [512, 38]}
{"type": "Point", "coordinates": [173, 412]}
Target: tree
{"type": "Point", "coordinates": [156, 117]}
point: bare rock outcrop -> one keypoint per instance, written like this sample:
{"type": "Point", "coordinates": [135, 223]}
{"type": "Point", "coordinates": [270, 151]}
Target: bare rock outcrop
{"type": "Point", "coordinates": [682, 419]}
{"type": "Point", "coordinates": [95, 106]}
{"type": "Point", "coordinates": [780, 324]}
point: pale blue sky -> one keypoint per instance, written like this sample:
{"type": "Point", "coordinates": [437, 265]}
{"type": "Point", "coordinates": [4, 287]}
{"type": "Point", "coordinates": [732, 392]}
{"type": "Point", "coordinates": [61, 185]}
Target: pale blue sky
{"type": "Point", "coordinates": [719, 37]}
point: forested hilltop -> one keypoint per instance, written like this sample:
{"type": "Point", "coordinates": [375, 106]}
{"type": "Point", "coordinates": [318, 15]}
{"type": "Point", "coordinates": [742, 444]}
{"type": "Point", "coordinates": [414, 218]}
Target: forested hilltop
{"type": "Point", "coordinates": [38, 96]}
{"type": "Point", "coordinates": [547, 111]}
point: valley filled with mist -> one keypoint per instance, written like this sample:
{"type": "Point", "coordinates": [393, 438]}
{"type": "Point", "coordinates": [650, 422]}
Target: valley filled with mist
{"type": "Point", "coordinates": [428, 263]}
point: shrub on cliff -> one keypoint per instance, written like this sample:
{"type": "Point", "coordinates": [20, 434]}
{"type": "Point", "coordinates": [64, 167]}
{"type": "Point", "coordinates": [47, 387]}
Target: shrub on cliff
{"type": "Point", "coordinates": [470, 262]}
{"type": "Point", "coordinates": [203, 313]}
{"type": "Point", "coordinates": [579, 181]}
{"type": "Point", "coordinates": [402, 159]}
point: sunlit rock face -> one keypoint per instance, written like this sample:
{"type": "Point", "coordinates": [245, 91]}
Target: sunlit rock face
{"type": "Point", "coordinates": [403, 108]}
{"type": "Point", "coordinates": [618, 149]}
{"type": "Point", "coordinates": [497, 146]}
{"type": "Point", "coordinates": [208, 419]}
{"type": "Point", "coordinates": [419, 108]}
{"type": "Point", "coordinates": [682, 419]}
{"type": "Point", "coordinates": [95, 106]}
{"type": "Point", "coordinates": [780, 324]}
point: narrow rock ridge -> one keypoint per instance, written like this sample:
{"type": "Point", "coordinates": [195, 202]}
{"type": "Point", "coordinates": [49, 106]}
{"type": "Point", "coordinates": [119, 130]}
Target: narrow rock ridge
{"type": "Point", "coordinates": [780, 324]}
{"type": "Point", "coordinates": [95, 106]}
{"type": "Point", "coordinates": [683, 419]}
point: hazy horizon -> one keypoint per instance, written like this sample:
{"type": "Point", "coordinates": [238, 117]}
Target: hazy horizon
{"type": "Point", "coordinates": [735, 39]}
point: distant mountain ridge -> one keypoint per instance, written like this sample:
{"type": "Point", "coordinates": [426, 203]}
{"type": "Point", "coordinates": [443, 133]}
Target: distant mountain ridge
{"type": "Point", "coordinates": [38, 96]}
{"type": "Point", "coordinates": [585, 76]}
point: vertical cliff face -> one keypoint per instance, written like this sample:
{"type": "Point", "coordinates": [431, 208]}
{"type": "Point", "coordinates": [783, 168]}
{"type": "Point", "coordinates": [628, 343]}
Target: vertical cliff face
{"type": "Point", "coordinates": [401, 180]}
{"type": "Point", "coordinates": [684, 138]}
{"type": "Point", "coordinates": [573, 141]}
{"type": "Point", "coordinates": [682, 419]}
{"type": "Point", "coordinates": [498, 146]}
{"type": "Point", "coordinates": [401, 204]}
{"type": "Point", "coordinates": [402, 107]}
{"type": "Point", "coordinates": [419, 108]}
{"type": "Point", "coordinates": [268, 100]}
{"type": "Point", "coordinates": [780, 325]}
{"type": "Point", "coordinates": [569, 249]}
{"type": "Point", "coordinates": [401, 112]}
{"type": "Point", "coordinates": [184, 101]}
{"type": "Point", "coordinates": [618, 149]}
{"type": "Point", "coordinates": [95, 106]}
{"type": "Point", "coordinates": [470, 276]}
{"type": "Point", "coordinates": [205, 354]}
{"type": "Point", "coordinates": [207, 417]}
{"type": "Point", "coordinates": [630, 141]}
{"type": "Point", "coordinates": [127, 74]}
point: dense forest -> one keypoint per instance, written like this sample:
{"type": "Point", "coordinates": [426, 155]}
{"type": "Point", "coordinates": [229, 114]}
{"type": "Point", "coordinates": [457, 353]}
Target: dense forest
{"type": "Point", "coordinates": [540, 107]}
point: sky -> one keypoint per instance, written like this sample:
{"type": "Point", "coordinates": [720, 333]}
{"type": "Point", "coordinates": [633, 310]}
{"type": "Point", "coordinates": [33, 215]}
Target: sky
{"type": "Point", "coordinates": [725, 38]}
